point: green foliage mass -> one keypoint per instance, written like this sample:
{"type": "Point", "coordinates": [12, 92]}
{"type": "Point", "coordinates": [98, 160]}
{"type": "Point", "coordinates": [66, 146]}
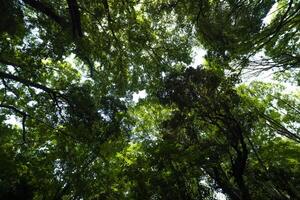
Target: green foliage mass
{"type": "Point", "coordinates": [71, 127]}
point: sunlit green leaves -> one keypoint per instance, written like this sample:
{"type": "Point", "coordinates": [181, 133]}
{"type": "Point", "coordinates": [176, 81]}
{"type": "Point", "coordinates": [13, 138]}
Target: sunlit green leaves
{"type": "Point", "coordinates": [70, 128]}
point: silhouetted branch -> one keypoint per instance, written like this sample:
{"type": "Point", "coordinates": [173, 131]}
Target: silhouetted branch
{"type": "Point", "coordinates": [22, 113]}
{"type": "Point", "coordinates": [75, 18]}
{"type": "Point", "coordinates": [47, 10]}
{"type": "Point", "coordinates": [26, 82]}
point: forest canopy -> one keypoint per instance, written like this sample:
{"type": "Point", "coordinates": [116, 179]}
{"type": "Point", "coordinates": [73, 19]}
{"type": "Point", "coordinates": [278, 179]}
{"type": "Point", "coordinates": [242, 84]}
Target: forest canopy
{"type": "Point", "coordinates": [106, 99]}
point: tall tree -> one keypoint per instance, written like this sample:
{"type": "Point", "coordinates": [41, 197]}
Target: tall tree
{"type": "Point", "coordinates": [72, 129]}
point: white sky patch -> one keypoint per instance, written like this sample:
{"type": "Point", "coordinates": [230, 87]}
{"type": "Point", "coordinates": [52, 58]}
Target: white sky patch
{"type": "Point", "coordinates": [138, 6]}
{"type": "Point", "coordinates": [198, 54]}
{"type": "Point", "coordinates": [139, 95]}
{"type": "Point", "coordinates": [272, 12]}
{"type": "Point", "coordinates": [14, 121]}
{"type": "Point", "coordinates": [220, 196]}
{"type": "Point", "coordinates": [266, 76]}
{"type": "Point", "coordinates": [70, 59]}
{"type": "Point", "coordinates": [11, 69]}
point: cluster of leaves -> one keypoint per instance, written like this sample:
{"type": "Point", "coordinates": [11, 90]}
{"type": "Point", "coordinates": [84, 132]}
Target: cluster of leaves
{"type": "Point", "coordinates": [71, 130]}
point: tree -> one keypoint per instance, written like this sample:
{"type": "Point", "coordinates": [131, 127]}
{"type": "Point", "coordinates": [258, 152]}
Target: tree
{"type": "Point", "coordinates": [71, 130]}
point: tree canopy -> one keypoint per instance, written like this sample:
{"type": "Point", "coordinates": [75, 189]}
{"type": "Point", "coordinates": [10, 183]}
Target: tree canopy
{"type": "Point", "coordinates": [74, 124]}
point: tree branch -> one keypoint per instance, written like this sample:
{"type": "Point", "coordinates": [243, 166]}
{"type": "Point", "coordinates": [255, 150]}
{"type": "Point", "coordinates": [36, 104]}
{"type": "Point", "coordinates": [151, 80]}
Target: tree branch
{"type": "Point", "coordinates": [24, 116]}
{"type": "Point", "coordinates": [48, 11]}
{"type": "Point", "coordinates": [75, 18]}
{"type": "Point", "coordinates": [27, 82]}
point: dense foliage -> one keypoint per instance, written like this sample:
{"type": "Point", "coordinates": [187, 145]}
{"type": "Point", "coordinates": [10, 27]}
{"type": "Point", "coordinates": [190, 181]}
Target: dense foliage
{"type": "Point", "coordinates": [72, 127]}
